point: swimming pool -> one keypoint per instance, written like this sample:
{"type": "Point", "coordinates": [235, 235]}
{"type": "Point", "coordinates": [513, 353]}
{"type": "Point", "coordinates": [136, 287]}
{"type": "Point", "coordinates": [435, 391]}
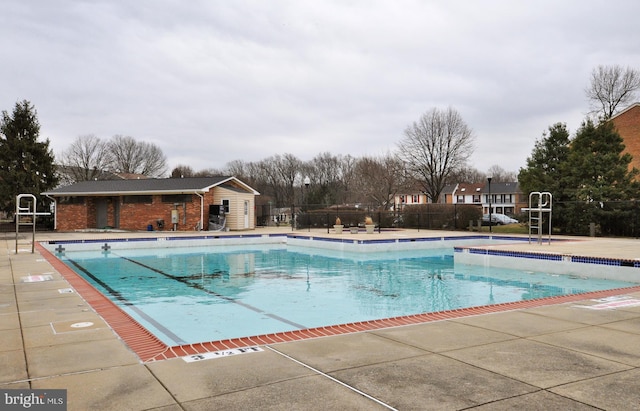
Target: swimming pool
{"type": "Point", "coordinates": [200, 293]}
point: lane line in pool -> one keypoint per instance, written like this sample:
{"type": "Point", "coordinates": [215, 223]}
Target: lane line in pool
{"type": "Point", "coordinates": [354, 389]}
{"type": "Point", "coordinates": [211, 292]}
{"type": "Point", "coordinates": [116, 294]}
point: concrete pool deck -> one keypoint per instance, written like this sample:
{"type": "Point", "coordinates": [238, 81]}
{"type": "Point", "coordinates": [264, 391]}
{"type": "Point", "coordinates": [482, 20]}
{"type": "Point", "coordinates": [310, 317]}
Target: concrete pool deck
{"type": "Point", "coordinates": [554, 356]}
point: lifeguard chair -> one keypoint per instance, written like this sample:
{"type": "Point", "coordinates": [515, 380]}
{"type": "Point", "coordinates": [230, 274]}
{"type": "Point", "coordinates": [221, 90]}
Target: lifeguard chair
{"type": "Point", "coordinates": [540, 205]}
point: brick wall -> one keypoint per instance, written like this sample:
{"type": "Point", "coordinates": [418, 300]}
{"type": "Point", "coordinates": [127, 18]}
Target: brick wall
{"type": "Point", "coordinates": [628, 126]}
{"type": "Point", "coordinates": [134, 217]}
{"type": "Point", "coordinates": [139, 216]}
{"type": "Point", "coordinates": [71, 216]}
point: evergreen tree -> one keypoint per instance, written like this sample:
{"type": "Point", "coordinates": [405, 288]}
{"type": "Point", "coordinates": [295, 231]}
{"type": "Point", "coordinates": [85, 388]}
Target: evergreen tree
{"type": "Point", "coordinates": [546, 170]}
{"type": "Point", "coordinates": [26, 164]}
{"type": "Point", "coordinates": [599, 180]}
{"type": "Point", "coordinates": [588, 176]}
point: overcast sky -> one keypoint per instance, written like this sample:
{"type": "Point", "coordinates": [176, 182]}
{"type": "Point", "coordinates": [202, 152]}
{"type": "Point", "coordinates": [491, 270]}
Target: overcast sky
{"type": "Point", "coordinates": [214, 81]}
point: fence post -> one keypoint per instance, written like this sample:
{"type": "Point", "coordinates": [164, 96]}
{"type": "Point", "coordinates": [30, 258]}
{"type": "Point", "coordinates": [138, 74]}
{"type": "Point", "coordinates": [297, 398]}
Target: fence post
{"type": "Point", "coordinates": [455, 216]}
{"type": "Point", "coordinates": [635, 219]}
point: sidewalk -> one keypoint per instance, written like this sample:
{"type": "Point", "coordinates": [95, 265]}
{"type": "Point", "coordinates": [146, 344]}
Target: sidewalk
{"type": "Point", "coordinates": [562, 356]}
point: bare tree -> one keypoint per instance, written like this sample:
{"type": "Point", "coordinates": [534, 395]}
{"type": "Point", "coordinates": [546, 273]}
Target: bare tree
{"type": "Point", "coordinates": [288, 169]}
{"type": "Point", "coordinates": [324, 171]}
{"type": "Point", "coordinates": [239, 169]}
{"type": "Point", "coordinates": [86, 159]}
{"type": "Point", "coordinates": [130, 156]}
{"type": "Point", "coordinates": [256, 178]}
{"type": "Point", "coordinates": [155, 162]}
{"type": "Point", "coordinates": [433, 147]}
{"type": "Point", "coordinates": [611, 87]}
{"type": "Point", "coordinates": [182, 171]}
{"type": "Point", "coordinates": [209, 172]}
{"type": "Point", "coordinates": [468, 175]}
{"type": "Point", "coordinates": [500, 175]}
{"type": "Point", "coordinates": [347, 167]}
{"type": "Point", "coordinates": [282, 174]}
{"type": "Point", "coordinates": [248, 172]}
{"type": "Point", "coordinates": [379, 180]}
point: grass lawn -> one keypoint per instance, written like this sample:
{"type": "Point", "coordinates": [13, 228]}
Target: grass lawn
{"type": "Point", "coordinates": [519, 228]}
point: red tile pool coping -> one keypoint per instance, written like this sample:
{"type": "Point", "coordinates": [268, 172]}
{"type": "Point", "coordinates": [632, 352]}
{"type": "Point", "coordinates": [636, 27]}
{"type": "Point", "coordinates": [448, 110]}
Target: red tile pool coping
{"type": "Point", "coordinates": [149, 348]}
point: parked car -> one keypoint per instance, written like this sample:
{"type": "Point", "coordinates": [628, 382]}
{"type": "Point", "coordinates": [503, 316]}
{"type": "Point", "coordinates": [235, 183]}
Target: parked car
{"type": "Point", "coordinates": [498, 219]}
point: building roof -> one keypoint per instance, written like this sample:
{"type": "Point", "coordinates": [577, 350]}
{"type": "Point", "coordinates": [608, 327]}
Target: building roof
{"type": "Point", "coordinates": [631, 107]}
{"type": "Point", "coordinates": [469, 189]}
{"type": "Point", "coordinates": [502, 188]}
{"type": "Point", "coordinates": [148, 186]}
{"type": "Point", "coordinates": [449, 188]}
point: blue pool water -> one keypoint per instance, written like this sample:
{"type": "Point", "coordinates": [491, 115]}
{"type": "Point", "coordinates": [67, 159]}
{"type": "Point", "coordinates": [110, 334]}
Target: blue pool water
{"type": "Point", "coordinates": [196, 294]}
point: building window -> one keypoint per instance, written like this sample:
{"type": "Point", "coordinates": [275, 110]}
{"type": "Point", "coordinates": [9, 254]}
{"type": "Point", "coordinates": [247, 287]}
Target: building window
{"type": "Point", "coordinates": [460, 199]}
{"type": "Point", "coordinates": [476, 198]}
{"type": "Point", "coordinates": [415, 199]}
{"type": "Point", "coordinates": [137, 199]}
{"type": "Point", "coordinates": [402, 199]}
{"type": "Point", "coordinates": [225, 205]}
{"type": "Point", "coordinates": [176, 198]}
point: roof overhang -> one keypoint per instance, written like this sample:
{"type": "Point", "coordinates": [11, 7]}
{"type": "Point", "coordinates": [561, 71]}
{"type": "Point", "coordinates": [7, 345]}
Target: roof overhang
{"type": "Point", "coordinates": [121, 193]}
{"type": "Point", "coordinates": [156, 191]}
{"type": "Point", "coordinates": [240, 183]}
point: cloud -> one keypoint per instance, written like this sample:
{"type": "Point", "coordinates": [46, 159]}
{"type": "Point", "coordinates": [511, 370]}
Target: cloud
{"type": "Point", "coordinates": [210, 81]}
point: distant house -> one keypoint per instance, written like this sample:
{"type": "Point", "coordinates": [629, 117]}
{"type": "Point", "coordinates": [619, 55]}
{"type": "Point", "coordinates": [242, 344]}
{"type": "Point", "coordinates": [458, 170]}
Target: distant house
{"type": "Point", "coordinates": [506, 198]}
{"type": "Point", "coordinates": [451, 194]}
{"type": "Point", "coordinates": [627, 123]}
{"type": "Point", "coordinates": [403, 200]}
{"type": "Point", "coordinates": [280, 215]}
{"type": "Point", "coordinates": [468, 193]}
{"type": "Point", "coordinates": [182, 204]}
{"type": "Point", "coordinates": [448, 193]}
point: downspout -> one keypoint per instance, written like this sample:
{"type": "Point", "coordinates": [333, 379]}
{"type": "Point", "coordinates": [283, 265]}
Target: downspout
{"type": "Point", "coordinates": [55, 211]}
{"type": "Point", "coordinates": [201, 211]}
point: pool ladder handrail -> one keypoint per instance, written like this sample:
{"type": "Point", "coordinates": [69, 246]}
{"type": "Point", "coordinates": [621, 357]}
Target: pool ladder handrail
{"type": "Point", "coordinates": [28, 210]}
{"type": "Point", "coordinates": [539, 204]}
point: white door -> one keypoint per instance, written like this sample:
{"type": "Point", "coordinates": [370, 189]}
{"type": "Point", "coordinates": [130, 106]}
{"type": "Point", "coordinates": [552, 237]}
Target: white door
{"type": "Point", "coordinates": [246, 214]}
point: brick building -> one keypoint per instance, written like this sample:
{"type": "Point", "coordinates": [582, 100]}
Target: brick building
{"type": "Point", "coordinates": [182, 204]}
{"type": "Point", "coordinates": [627, 123]}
